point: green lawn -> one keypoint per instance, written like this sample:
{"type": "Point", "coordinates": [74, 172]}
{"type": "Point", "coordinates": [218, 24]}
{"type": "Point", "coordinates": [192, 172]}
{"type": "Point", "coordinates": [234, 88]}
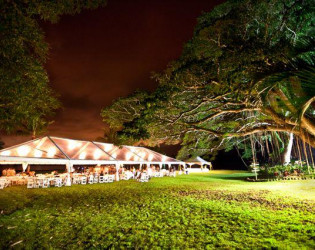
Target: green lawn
{"type": "Point", "coordinates": [213, 210]}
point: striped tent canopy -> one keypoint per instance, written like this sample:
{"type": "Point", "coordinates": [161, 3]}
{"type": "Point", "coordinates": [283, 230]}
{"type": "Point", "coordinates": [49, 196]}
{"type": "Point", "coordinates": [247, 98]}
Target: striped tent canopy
{"type": "Point", "coordinates": [56, 150]}
{"type": "Point", "coordinates": [197, 161]}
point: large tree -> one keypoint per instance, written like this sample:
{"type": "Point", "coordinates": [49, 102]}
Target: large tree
{"type": "Point", "coordinates": [122, 112]}
{"type": "Point", "coordinates": [26, 100]}
{"type": "Point", "coordinates": [248, 70]}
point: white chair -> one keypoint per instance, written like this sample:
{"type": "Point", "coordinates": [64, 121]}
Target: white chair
{"type": "Point", "coordinates": [111, 178]}
{"type": "Point", "coordinates": [126, 178]}
{"type": "Point", "coordinates": [173, 174]}
{"type": "Point", "coordinates": [45, 183]}
{"type": "Point", "coordinates": [39, 183]}
{"type": "Point", "coordinates": [76, 180]}
{"type": "Point", "coordinates": [83, 180]}
{"type": "Point", "coordinates": [30, 184]}
{"type": "Point", "coordinates": [7, 183]}
{"type": "Point", "coordinates": [91, 179]}
{"type": "Point", "coordinates": [95, 179]}
{"type": "Point", "coordinates": [144, 178]}
{"type": "Point", "coordinates": [35, 182]}
{"type": "Point", "coordinates": [138, 175]}
{"type": "Point", "coordinates": [58, 182]}
{"type": "Point", "coordinates": [2, 184]}
{"type": "Point", "coordinates": [101, 179]}
{"type": "Point", "coordinates": [106, 179]}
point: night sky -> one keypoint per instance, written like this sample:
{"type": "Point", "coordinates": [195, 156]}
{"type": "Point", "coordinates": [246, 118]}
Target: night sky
{"type": "Point", "coordinates": [100, 55]}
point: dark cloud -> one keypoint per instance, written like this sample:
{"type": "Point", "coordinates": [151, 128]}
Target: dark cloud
{"type": "Point", "coordinates": [100, 55]}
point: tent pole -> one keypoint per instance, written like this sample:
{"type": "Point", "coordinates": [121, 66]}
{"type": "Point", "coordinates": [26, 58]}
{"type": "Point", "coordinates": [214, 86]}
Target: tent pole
{"type": "Point", "coordinates": [117, 171]}
{"type": "Point", "coordinates": [69, 168]}
{"type": "Point", "coordinates": [24, 166]}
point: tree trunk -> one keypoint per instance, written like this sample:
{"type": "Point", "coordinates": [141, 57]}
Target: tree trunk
{"type": "Point", "coordinates": [33, 134]}
{"type": "Point", "coordinates": [286, 158]}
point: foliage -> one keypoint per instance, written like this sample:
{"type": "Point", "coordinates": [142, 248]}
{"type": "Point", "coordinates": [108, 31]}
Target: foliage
{"type": "Point", "coordinates": [247, 70]}
{"type": "Point", "coordinates": [217, 210]}
{"type": "Point", "coordinates": [279, 170]}
{"type": "Point", "coordinates": [124, 110]}
{"type": "Point", "coordinates": [26, 100]}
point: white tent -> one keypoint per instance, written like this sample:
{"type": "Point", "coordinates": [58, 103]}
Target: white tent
{"type": "Point", "coordinates": [50, 150]}
{"type": "Point", "coordinates": [198, 161]}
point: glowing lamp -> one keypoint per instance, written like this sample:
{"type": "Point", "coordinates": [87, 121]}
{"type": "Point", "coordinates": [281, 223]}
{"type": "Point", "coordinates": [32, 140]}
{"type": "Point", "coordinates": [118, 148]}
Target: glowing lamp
{"type": "Point", "coordinates": [82, 156]}
{"type": "Point", "coordinates": [97, 154]}
{"type": "Point", "coordinates": [51, 152]}
{"type": "Point", "coordinates": [23, 150]}
{"type": "Point", "coordinates": [38, 153]}
{"type": "Point", "coordinates": [6, 153]}
{"type": "Point", "coordinates": [128, 156]}
{"type": "Point", "coordinates": [71, 145]}
{"type": "Point", "coordinates": [108, 147]}
{"type": "Point", "coordinates": [150, 157]}
{"type": "Point", "coordinates": [164, 158]}
{"type": "Point", "coordinates": [74, 144]}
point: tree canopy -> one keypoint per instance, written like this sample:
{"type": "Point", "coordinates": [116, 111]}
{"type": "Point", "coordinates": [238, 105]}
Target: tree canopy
{"type": "Point", "coordinates": [248, 69]}
{"type": "Point", "coordinates": [26, 99]}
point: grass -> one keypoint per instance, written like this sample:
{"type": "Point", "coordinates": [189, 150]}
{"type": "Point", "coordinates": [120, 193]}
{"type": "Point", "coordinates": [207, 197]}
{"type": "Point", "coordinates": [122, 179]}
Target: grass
{"type": "Point", "coordinates": [216, 210]}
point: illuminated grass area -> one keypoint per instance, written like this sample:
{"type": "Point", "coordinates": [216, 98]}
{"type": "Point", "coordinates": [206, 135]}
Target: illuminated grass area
{"type": "Point", "coordinates": [216, 209]}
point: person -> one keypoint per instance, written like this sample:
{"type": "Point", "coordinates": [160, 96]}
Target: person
{"type": "Point", "coordinates": [149, 171]}
{"type": "Point", "coordinates": [134, 172]}
{"type": "Point", "coordinates": [138, 174]}
{"type": "Point", "coordinates": [91, 176]}
{"type": "Point", "coordinates": [186, 170]}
